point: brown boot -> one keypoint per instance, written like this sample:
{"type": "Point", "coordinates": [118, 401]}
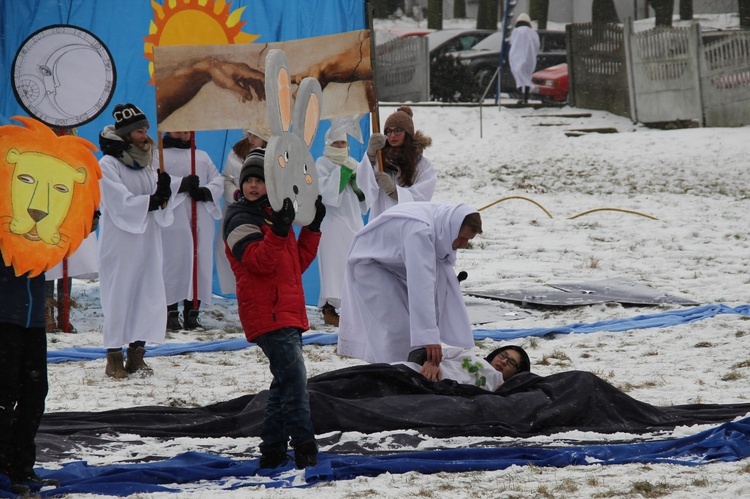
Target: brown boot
{"type": "Point", "coordinates": [49, 314]}
{"type": "Point", "coordinates": [135, 362]}
{"type": "Point", "coordinates": [330, 316]}
{"type": "Point", "coordinates": [115, 368]}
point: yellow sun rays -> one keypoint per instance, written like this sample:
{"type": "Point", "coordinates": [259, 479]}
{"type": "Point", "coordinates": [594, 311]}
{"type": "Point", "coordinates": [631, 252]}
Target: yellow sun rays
{"type": "Point", "coordinates": [194, 22]}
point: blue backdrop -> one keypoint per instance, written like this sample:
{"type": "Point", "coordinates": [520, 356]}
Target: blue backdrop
{"type": "Point", "coordinates": [123, 25]}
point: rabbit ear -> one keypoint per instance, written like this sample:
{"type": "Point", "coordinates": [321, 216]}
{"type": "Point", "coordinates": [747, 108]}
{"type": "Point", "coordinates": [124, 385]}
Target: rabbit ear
{"type": "Point", "coordinates": [307, 109]}
{"type": "Point", "coordinates": [278, 92]}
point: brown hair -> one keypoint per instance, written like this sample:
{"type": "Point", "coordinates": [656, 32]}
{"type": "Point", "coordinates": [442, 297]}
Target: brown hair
{"type": "Point", "coordinates": [474, 222]}
{"type": "Point", "coordinates": [404, 159]}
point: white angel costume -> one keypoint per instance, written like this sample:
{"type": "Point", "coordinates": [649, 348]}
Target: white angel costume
{"type": "Point", "coordinates": [524, 46]}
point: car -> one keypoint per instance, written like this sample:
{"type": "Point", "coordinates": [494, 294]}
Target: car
{"type": "Point", "coordinates": [386, 35]}
{"type": "Point", "coordinates": [484, 57]}
{"type": "Point", "coordinates": [454, 40]}
{"type": "Point", "coordinates": [551, 84]}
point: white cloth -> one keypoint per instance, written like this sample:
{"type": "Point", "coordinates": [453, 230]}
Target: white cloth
{"type": "Point", "coordinates": [83, 264]}
{"type": "Point", "coordinates": [231, 175]}
{"type": "Point", "coordinates": [130, 255]}
{"type": "Point", "coordinates": [453, 366]}
{"type": "Point", "coordinates": [177, 238]}
{"type": "Point", "coordinates": [400, 288]}
{"type": "Point", "coordinates": [524, 47]}
{"type": "Point", "coordinates": [342, 221]}
{"type": "Point", "coordinates": [422, 189]}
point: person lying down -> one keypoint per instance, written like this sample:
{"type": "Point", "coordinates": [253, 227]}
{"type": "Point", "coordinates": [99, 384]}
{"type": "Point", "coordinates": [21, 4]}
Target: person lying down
{"type": "Point", "coordinates": [466, 367]}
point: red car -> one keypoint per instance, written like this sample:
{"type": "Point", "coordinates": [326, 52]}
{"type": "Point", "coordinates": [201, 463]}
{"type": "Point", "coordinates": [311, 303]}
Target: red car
{"type": "Point", "coordinates": [551, 84]}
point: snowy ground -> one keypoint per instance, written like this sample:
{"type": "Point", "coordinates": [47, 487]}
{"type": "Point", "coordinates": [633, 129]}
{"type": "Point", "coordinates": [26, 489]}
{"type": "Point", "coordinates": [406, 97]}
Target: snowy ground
{"type": "Point", "coordinates": [692, 180]}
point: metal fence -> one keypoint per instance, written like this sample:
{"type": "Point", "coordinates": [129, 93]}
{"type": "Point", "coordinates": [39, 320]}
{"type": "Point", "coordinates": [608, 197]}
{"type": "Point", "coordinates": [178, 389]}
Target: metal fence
{"type": "Point", "coordinates": [403, 70]}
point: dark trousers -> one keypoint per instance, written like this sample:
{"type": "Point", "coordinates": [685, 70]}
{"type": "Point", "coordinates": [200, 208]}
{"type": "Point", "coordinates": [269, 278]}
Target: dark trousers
{"type": "Point", "coordinates": [23, 389]}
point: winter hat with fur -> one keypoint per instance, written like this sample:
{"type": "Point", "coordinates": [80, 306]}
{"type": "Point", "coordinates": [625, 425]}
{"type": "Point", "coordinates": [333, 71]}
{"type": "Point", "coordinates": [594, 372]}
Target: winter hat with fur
{"type": "Point", "coordinates": [401, 119]}
{"type": "Point", "coordinates": [128, 118]}
{"type": "Point", "coordinates": [254, 166]}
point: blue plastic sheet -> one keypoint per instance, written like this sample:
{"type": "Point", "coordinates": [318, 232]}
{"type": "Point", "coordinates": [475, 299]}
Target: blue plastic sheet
{"type": "Point", "coordinates": [664, 319]}
{"type": "Point", "coordinates": [728, 442]}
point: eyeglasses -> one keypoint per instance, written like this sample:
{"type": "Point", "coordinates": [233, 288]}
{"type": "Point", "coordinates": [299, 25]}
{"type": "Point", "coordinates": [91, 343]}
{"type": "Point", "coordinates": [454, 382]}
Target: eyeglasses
{"type": "Point", "coordinates": [511, 362]}
{"type": "Point", "coordinates": [394, 131]}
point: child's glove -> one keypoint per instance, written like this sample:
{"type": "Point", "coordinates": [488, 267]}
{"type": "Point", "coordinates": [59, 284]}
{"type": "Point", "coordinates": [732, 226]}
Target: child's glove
{"type": "Point", "coordinates": [282, 220]}
{"type": "Point", "coordinates": [320, 213]}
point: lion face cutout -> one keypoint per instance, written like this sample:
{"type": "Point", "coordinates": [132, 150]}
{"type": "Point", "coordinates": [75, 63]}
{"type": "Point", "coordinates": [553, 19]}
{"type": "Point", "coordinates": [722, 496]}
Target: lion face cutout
{"type": "Point", "coordinates": [49, 191]}
{"type": "Point", "coordinates": [289, 167]}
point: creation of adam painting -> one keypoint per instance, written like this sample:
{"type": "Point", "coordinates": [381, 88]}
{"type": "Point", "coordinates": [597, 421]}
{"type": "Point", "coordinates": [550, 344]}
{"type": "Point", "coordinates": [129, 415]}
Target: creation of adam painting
{"type": "Point", "coordinates": [219, 87]}
{"type": "Point", "coordinates": [49, 191]}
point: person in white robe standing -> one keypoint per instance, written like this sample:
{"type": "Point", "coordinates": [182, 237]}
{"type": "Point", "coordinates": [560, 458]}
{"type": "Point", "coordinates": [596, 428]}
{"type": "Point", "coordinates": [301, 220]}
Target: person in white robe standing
{"type": "Point", "coordinates": [345, 204]}
{"type": "Point", "coordinates": [205, 188]}
{"type": "Point", "coordinates": [406, 174]}
{"type": "Point", "coordinates": [400, 289]}
{"type": "Point", "coordinates": [135, 203]}
{"type": "Point", "coordinates": [524, 47]}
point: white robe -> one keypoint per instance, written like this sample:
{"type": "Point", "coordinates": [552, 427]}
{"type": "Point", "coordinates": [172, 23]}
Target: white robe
{"type": "Point", "coordinates": [342, 221]}
{"type": "Point", "coordinates": [400, 288]}
{"type": "Point", "coordinates": [452, 367]}
{"type": "Point", "coordinates": [231, 175]}
{"type": "Point", "coordinates": [177, 238]}
{"type": "Point", "coordinates": [524, 46]}
{"type": "Point", "coordinates": [83, 264]}
{"type": "Point", "coordinates": [133, 300]}
{"type": "Point", "coordinates": [422, 189]}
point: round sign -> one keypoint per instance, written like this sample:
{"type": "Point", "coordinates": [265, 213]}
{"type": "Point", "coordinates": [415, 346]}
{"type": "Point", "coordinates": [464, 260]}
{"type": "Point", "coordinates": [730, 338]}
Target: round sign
{"type": "Point", "coordinates": [63, 76]}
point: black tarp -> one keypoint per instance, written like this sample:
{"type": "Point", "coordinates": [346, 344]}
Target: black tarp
{"type": "Point", "coordinates": [380, 397]}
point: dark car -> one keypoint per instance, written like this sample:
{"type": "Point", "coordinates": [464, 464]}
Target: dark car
{"type": "Point", "coordinates": [454, 40]}
{"type": "Point", "coordinates": [484, 57]}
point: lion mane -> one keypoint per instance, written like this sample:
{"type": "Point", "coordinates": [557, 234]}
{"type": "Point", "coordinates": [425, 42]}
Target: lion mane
{"type": "Point", "coordinates": [49, 191]}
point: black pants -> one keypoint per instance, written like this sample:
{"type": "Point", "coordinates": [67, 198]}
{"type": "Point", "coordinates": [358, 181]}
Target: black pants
{"type": "Point", "coordinates": [23, 389]}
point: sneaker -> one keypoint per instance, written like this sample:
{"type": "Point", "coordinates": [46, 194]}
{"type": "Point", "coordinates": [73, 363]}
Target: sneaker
{"type": "Point", "coordinates": [306, 455]}
{"type": "Point", "coordinates": [330, 316]}
{"type": "Point", "coordinates": [173, 320]}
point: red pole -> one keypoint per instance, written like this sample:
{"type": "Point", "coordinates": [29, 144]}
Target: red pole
{"type": "Point", "coordinates": [64, 311]}
{"type": "Point", "coordinates": [194, 224]}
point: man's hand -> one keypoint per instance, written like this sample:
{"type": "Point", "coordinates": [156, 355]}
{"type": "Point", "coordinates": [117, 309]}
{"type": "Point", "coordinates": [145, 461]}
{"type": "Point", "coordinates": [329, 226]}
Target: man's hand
{"type": "Point", "coordinates": [237, 77]}
{"type": "Point", "coordinates": [434, 354]}
{"type": "Point", "coordinates": [431, 371]}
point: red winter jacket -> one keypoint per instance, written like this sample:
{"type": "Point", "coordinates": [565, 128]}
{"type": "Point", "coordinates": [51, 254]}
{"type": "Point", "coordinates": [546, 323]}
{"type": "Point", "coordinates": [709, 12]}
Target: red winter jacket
{"type": "Point", "coordinates": [268, 269]}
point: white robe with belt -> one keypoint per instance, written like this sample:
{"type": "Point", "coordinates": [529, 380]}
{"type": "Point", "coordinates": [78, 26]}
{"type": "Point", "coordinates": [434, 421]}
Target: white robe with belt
{"type": "Point", "coordinates": [422, 189]}
{"type": "Point", "coordinates": [177, 238]}
{"type": "Point", "coordinates": [342, 221]}
{"type": "Point", "coordinates": [400, 287]}
{"type": "Point", "coordinates": [130, 255]}
{"type": "Point", "coordinates": [524, 46]}
{"type": "Point", "coordinates": [231, 175]}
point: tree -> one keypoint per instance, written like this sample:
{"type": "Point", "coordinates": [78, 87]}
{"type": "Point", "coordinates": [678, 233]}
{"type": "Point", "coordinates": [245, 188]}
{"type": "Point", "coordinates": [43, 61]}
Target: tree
{"type": "Point", "coordinates": [538, 10]}
{"type": "Point", "coordinates": [604, 12]}
{"type": "Point", "coordinates": [686, 10]}
{"type": "Point", "coordinates": [487, 14]}
{"type": "Point", "coordinates": [663, 11]}
{"type": "Point", "coordinates": [744, 6]}
{"type": "Point", "coordinates": [435, 14]}
{"type": "Point", "coordinates": [459, 9]}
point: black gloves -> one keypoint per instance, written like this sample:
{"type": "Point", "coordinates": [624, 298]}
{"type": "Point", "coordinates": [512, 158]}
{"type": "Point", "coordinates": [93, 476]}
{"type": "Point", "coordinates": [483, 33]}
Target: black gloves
{"type": "Point", "coordinates": [189, 183]}
{"type": "Point", "coordinates": [201, 194]}
{"type": "Point", "coordinates": [320, 213]}
{"type": "Point", "coordinates": [95, 220]}
{"type": "Point", "coordinates": [155, 201]}
{"type": "Point", "coordinates": [163, 188]}
{"type": "Point", "coordinates": [282, 220]}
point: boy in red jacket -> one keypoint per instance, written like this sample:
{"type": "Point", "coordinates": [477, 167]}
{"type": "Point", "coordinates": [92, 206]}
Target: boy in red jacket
{"type": "Point", "coordinates": [268, 263]}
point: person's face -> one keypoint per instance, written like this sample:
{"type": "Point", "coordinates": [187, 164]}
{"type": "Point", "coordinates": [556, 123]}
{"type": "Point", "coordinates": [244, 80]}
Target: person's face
{"type": "Point", "coordinates": [255, 141]}
{"type": "Point", "coordinates": [339, 144]}
{"type": "Point", "coordinates": [395, 136]}
{"type": "Point", "coordinates": [464, 236]}
{"type": "Point", "coordinates": [253, 189]}
{"type": "Point", "coordinates": [139, 137]}
{"type": "Point", "coordinates": [184, 136]}
{"type": "Point", "coordinates": [503, 362]}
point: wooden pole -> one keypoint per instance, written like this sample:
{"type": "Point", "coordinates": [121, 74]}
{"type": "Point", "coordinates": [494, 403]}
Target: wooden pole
{"type": "Point", "coordinates": [375, 113]}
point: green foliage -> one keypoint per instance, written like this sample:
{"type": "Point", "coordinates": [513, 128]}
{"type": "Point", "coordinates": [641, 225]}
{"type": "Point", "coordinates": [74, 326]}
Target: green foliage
{"type": "Point", "coordinates": [451, 81]}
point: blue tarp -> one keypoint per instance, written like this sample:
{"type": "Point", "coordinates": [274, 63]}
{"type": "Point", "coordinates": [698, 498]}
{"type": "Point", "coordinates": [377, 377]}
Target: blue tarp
{"type": "Point", "coordinates": [728, 442]}
{"type": "Point", "coordinates": [664, 319]}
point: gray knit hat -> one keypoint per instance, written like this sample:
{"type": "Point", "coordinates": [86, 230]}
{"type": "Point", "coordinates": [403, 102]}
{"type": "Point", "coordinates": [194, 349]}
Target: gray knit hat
{"type": "Point", "coordinates": [254, 165]}
{"type": "Point", "coordinates": [128, 118]}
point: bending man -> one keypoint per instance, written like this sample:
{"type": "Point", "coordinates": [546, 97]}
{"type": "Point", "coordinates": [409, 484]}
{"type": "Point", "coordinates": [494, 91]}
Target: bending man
{"type": "Point", "coordinates": [400, 288]}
